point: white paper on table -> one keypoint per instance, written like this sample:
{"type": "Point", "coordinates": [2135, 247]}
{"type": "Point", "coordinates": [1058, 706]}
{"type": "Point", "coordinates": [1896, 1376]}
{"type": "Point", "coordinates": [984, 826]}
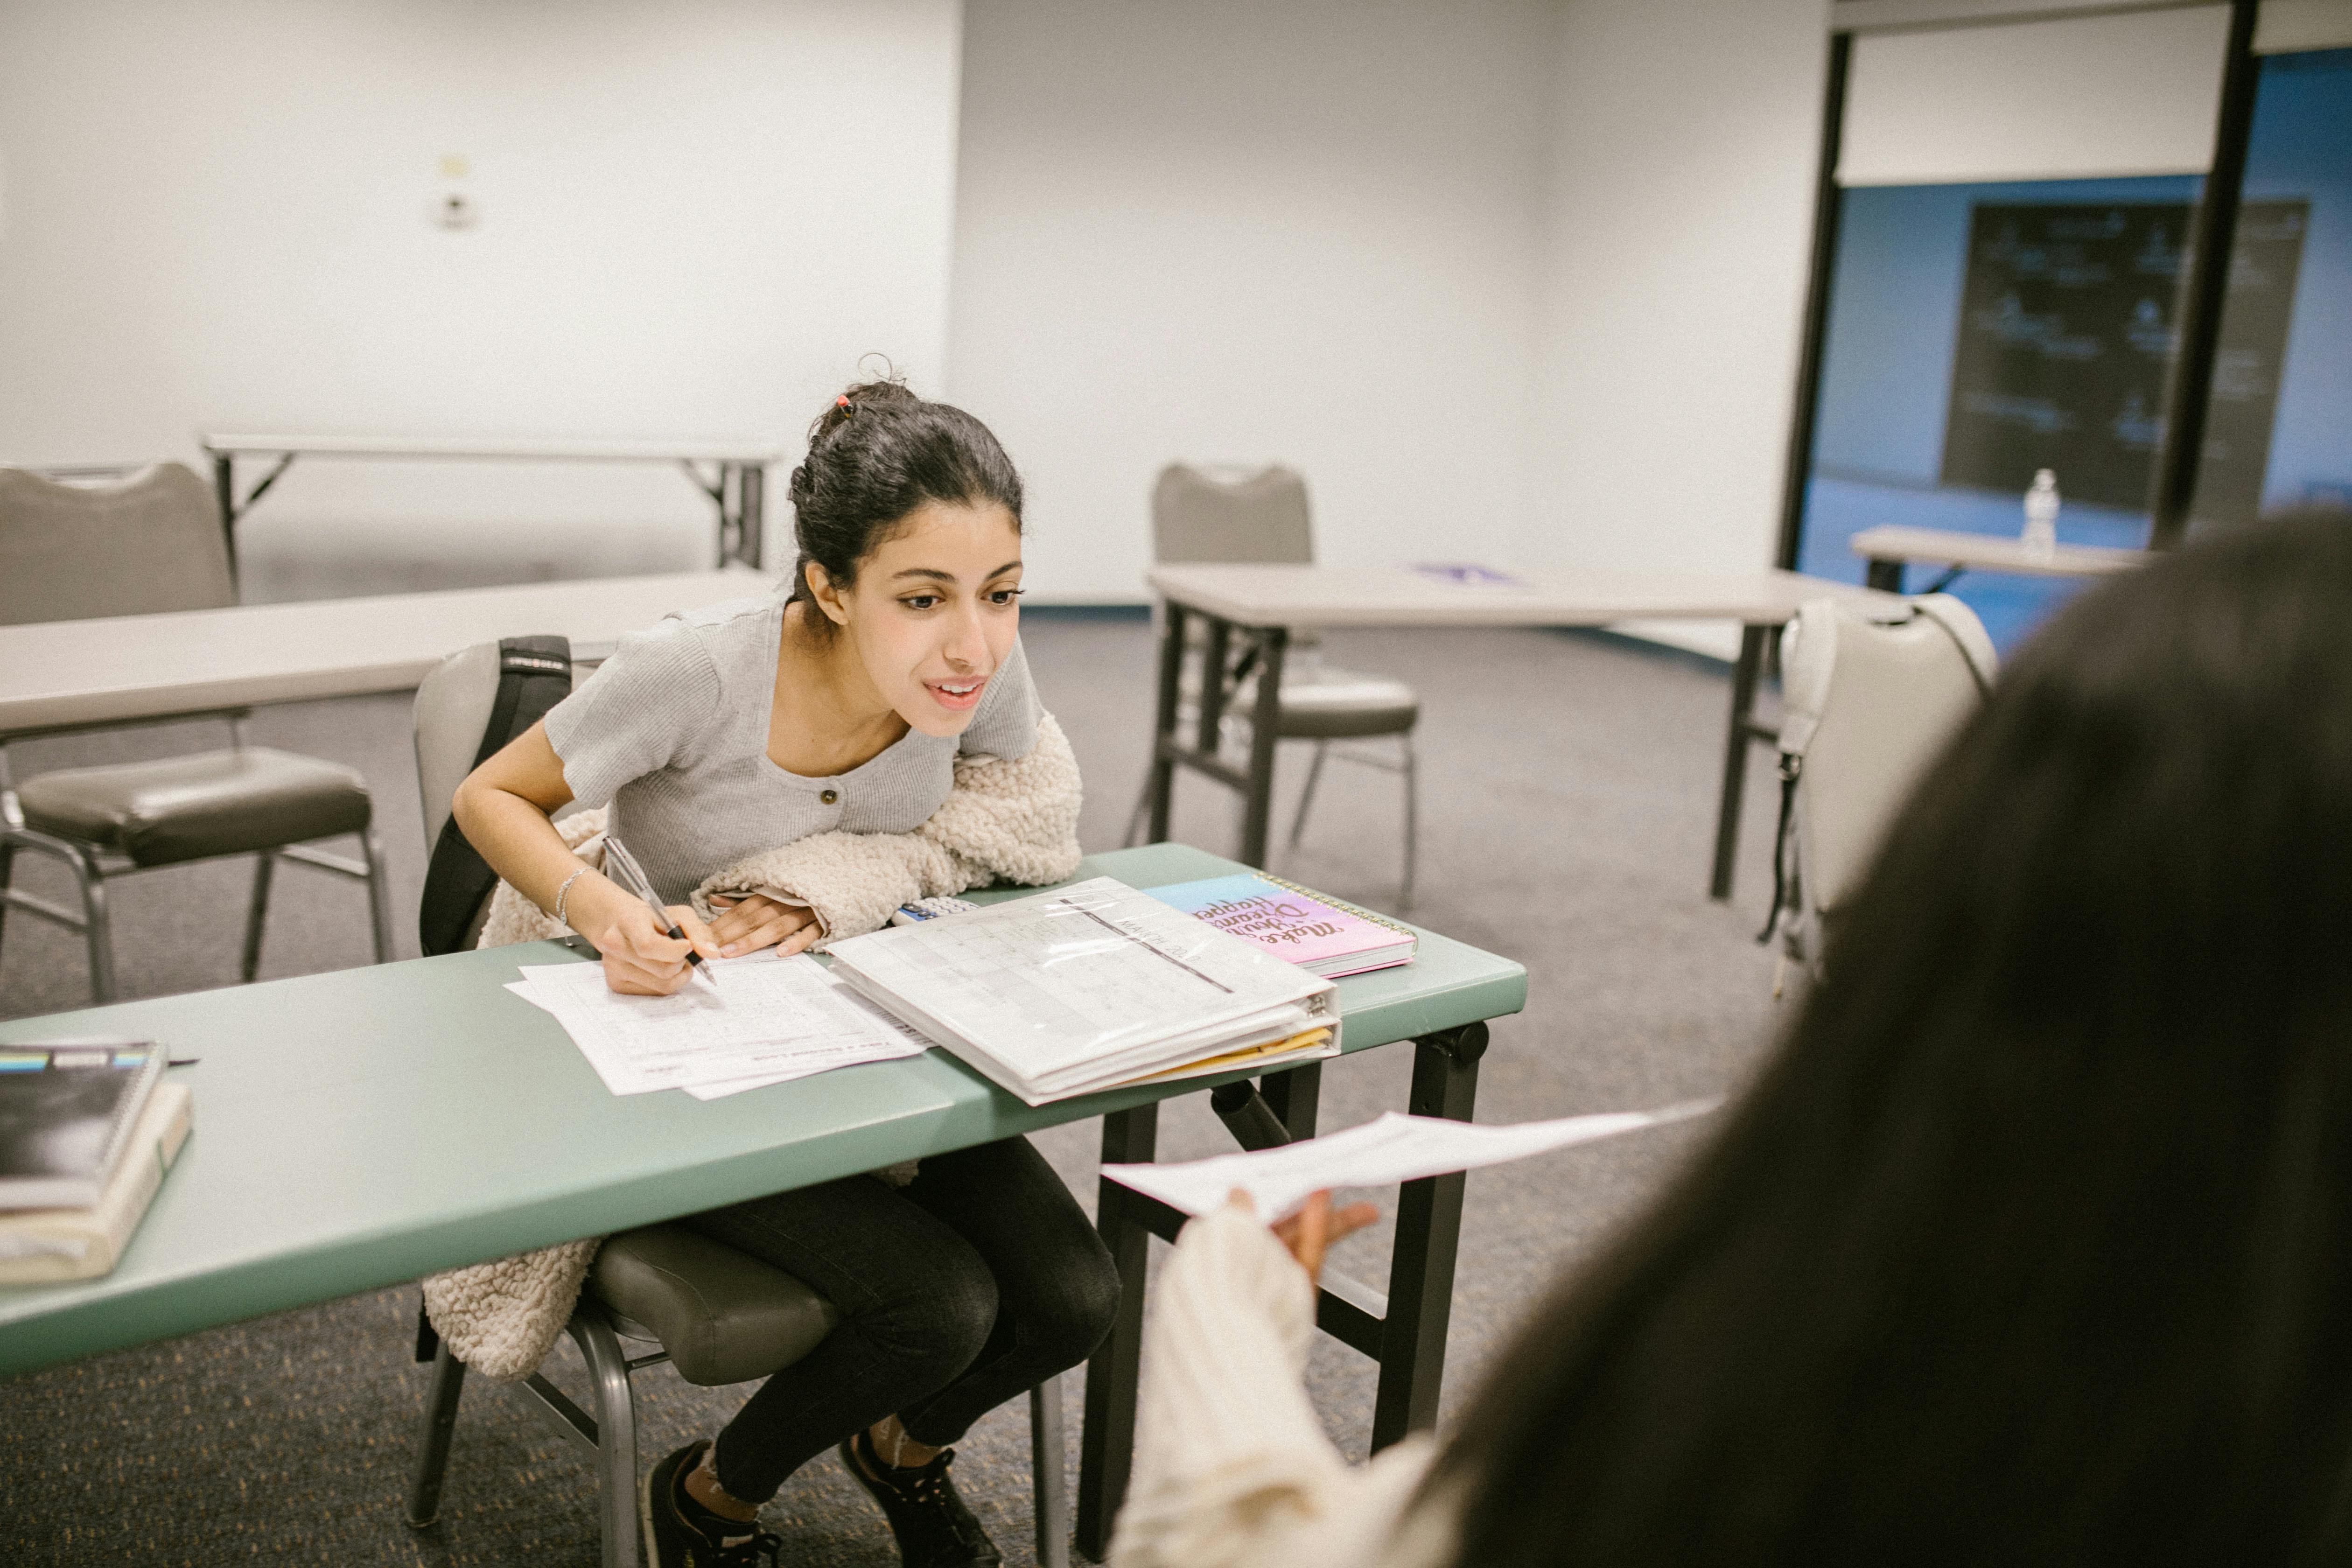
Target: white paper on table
{"type": "Point", "coordinates": [767, 1020]}
{"type": "Point", "coordinates": [806, 1061]}
{"type": "Point", "coordinates": [1390, 1149]}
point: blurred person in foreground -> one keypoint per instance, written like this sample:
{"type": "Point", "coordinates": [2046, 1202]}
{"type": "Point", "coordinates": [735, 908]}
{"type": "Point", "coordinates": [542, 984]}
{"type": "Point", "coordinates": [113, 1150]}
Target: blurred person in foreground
{"type": "Point", "coordinates": [2031, 1244]}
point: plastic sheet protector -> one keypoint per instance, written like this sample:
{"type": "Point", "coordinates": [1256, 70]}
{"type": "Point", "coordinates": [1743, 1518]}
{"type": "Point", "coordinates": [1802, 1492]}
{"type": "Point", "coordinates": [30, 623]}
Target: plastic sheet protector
{"type": "Point", "coordinates": [1088, 986]}
{"type": "Point", "coordinates": [1390, 1149]}
{"type": "Point", "coordinates": [767, 1020]}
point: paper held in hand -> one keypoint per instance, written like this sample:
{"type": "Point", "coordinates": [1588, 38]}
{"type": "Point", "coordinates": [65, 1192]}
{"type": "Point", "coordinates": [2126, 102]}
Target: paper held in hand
{"type": "Point", "coordinates": [1392, 1148]}
{"type": "Point", "coordinates": [1091, 987]}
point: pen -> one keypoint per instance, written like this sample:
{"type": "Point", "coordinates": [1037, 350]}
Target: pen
{"type": "Point", "coordinates": [631, 878]}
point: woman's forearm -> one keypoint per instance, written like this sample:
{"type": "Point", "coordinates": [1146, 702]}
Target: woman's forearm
{"type": "Point", "coordinates": [520, 843]}
{"type": "Point", "coordinates": [506, 808]}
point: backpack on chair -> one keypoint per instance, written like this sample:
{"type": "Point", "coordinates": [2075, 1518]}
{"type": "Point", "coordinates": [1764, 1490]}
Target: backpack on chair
{"type": "Point", "coordinates": [471, 705]}
{"type": "Point", "coordinates": [1867, 699]}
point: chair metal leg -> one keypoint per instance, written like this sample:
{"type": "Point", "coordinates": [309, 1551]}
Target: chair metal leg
{"type": "Point", "coordinates": [257, 915]}
{"type": "Point", "coordinates": [379, 895]}
{"type": "Point", "coordinates": [7, 876]}
{"type": "Point", "coordinates": [96, 929]}
{"type": "Point", "coordinates": [1048, 1481]}
{"type": "Point", "coordinates": [1307, 796]}
{"type": "Point", "coordinates": [616, 1438]}
{"type": "Point", "coordinates": [1411, 817]}
{"type": "Point", "coordinates": [433, 1440]}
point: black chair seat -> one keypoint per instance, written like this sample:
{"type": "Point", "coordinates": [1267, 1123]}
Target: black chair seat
{"type": "Point", "coordinates": [192, 807]}
{"type": "Point", "coordinates": [724, 1316]}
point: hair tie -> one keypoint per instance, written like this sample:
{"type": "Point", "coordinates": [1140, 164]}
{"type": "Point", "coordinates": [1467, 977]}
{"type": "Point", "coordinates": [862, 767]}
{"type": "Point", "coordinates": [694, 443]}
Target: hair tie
{"type": "Point", "coordinates": [843, 402]}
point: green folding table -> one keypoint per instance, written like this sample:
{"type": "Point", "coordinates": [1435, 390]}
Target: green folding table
{"type": "Point", "coordinates": [362, 1128]}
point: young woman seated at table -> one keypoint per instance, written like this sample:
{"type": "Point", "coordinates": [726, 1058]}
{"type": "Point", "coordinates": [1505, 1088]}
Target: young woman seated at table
{"type": "Point", "coordinates": [2032, 1243]}
{"type": "Point", "coordinates": [723, 733]}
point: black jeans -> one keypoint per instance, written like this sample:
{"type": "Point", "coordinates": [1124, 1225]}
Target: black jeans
{"type": "Point", "coordinates": [973, 1283]}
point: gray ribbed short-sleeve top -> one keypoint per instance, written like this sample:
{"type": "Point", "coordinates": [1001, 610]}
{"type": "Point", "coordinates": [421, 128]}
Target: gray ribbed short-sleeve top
{"type": "Point", "coordinates": [672, 730]}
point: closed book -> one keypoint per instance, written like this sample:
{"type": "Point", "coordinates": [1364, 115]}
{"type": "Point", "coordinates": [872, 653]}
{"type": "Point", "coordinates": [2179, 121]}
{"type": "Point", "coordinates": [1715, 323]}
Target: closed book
{"type": "Point", "coordinates": [46, 1247]}
{"type": "Point", "coordinates": [1090, 986]}
{"type": "Point", "coordinates": [67, 1111]}
{"type": "Point", "coordinates": [1311, 929]}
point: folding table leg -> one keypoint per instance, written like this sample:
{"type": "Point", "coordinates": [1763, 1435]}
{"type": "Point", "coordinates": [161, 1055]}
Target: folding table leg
{"type": "Point", "coordinates": [257, 915]}
{"type": "Point", "coordinates": [1161, 788]}
{"type": "Point", "coordinates": [750, 509]}
{"type": "Point", "coordinates": [1296, 1094]}
{"type": "Point", "coordinates": [1265, 734]}
{"type": "Point", "coordinates": [1107, 1448]}
{"type": "Point", "coordinates": [224, 495]}
{"type": "Point", "coordinates": [1428, 1231]}
{"type": "Point", "coordinates": [7, 876]}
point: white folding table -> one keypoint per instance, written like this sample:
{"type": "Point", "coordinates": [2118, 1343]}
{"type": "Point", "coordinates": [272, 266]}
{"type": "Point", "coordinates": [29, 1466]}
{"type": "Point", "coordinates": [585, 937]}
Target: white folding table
{"type": "Point", "coordinates": [1263, 603]}
{"type": "Point", "coordinates": [64, 674]}
{"type": "Point", "coordinates": [737, 485]}
{"type": "Point", "coordinates": [1889, 549]}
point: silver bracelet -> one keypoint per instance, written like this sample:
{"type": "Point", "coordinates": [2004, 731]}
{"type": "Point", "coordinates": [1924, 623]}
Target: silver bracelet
{"type": "Point", "coordinates": [563, 889]}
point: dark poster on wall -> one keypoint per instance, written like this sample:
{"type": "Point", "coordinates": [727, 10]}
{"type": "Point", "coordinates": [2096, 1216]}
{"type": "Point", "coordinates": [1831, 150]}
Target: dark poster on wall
{"type": "Point", "coordinates": [2067, 330]}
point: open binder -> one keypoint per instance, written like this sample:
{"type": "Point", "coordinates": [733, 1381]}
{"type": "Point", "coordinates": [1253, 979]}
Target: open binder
{"type": "Point", "coordinates": [1091, 987]}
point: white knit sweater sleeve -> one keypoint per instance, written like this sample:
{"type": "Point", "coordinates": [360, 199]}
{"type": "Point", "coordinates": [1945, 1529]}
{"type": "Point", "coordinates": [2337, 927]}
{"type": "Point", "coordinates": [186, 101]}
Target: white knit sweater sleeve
{"type": "Point", "coordinates": [1232, 1468]}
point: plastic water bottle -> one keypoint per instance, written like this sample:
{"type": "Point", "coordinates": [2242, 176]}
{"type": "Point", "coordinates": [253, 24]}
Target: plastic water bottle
{"type": "Point", "coordinates": [2039, 535]}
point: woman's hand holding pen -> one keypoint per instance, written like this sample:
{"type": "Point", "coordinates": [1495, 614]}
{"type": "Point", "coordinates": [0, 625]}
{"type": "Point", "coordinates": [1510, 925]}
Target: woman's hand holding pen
{"type": "Point", "coordinates": [748, 924]}
{"type": "Point", "coordinates": [640, 958]}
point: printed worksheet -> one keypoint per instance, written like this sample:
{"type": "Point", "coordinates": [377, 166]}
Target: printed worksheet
{"type": "Point", "coordinates": [1390, 1149]}
{"type": "Point", "coordinates": [807, 1060]}
{"type": "Point", "coordinates": [758, 1020]}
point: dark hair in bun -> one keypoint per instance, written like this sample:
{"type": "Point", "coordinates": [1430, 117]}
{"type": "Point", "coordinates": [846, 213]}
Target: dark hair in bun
{"type": "Point", "coordinates": [876, 455]}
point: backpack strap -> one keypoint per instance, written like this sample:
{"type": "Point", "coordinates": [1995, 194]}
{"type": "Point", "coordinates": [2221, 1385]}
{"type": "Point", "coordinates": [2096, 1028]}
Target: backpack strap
{"type": "Point", "coordinates": [535, 675]}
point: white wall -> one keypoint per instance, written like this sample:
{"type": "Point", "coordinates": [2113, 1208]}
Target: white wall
{"type": "Point", "coordinates": [1680, 205]}
{"type": "Point", "coordinates": [1237, 230]}
{"type": "Point", "coordinates": [2079, 98]}
{"type": "Point", "coordinates": [695, 217]}
{"type": "Point", "coordinates": [1510, 280]}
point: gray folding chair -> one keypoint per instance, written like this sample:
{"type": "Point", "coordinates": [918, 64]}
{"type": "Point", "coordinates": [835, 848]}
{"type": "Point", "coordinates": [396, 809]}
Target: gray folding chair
{"type": "Point", "coordinates": [1204, 514]}
{"type": "Point", "coordinates": [718, 1315]}
{"type": "Point", "coordinates": [148, 543]}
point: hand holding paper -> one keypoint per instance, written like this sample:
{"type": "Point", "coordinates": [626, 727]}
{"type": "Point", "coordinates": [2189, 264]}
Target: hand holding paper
{"type": "Point", "coordinates": [1393, 1148]}
{"type": "Point", "coordinates": [1316, 1228]}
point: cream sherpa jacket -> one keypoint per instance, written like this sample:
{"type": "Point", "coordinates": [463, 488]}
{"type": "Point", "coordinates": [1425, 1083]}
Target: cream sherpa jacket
{"type": "Point", "coordinates": [1012, 820]}
{"type": "Point", "coordinates": [1232, 1467]}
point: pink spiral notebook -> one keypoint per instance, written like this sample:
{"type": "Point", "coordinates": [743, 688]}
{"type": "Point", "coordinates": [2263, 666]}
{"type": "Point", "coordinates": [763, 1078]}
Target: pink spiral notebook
{"type": "Point", "coordinates": [1319, 934]}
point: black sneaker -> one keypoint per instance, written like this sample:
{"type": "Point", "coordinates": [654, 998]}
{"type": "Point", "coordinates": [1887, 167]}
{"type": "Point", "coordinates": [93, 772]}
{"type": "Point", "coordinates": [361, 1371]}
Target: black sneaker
{"type": "Point", "coordinates": [682, 1533]}
{"type": "Point", "coordinates": [933, 1527]}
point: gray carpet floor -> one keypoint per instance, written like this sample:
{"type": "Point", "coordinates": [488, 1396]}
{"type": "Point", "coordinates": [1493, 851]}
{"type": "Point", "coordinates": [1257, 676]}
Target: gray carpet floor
{"type": "Point", "coordinates": [1568, 797]}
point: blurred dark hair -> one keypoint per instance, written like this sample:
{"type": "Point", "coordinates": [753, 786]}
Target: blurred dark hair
{"type": "Point", "coordinates": [2030, 1243]}
{"type": "Point", "coordinates": [879, 453]}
